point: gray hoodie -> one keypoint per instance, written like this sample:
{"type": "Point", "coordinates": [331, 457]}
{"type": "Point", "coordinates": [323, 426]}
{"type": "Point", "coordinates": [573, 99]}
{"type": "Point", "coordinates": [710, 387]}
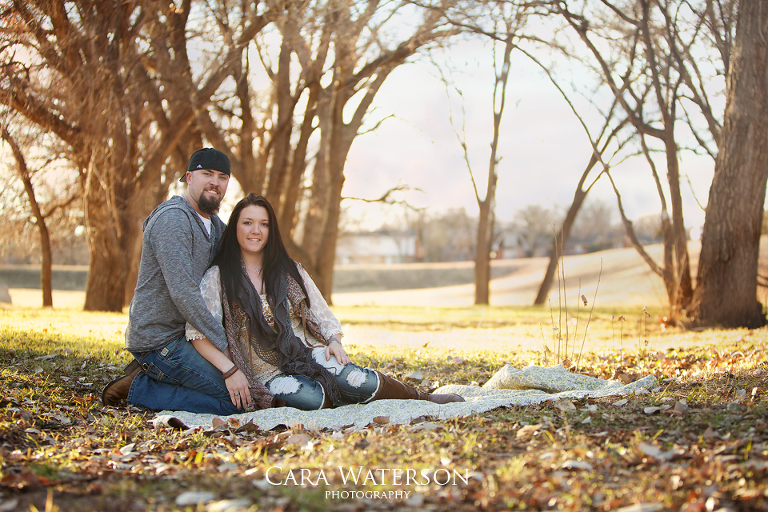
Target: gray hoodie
{"type": "Point", "coordinates": [175, 254]}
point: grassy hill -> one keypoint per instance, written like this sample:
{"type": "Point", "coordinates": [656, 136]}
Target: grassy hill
{"type": "Point", "coordinates": [616, 277]}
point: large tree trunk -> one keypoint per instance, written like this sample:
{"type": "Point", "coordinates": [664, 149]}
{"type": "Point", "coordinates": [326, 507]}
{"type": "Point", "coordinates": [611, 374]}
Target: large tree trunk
{"type": "Point", "coordinates": [340, 136]}
{"type": "Point", "coordinates": [110, 256]}
{"type": "Point", "coordinates": [726, 292]}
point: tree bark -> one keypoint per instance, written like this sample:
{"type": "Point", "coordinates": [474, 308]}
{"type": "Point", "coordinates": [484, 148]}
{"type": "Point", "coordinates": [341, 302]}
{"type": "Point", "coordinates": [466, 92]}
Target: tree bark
{"type": "Point", "coordinates": [109, 243]}
{"type": "Point", "coordinates": [45, 238]}
{"type": "Point", "coordinates": [563, 234]}
{"type": "Point", "coordinates": [482, 254]}
{"type": "Point", "coordinates": [487, 206]}
{"type": "Point", "coordinates": [726, 291]}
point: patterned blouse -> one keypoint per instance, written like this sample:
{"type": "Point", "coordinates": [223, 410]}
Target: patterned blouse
{"type": "Point", "coordinates": [263, 364]}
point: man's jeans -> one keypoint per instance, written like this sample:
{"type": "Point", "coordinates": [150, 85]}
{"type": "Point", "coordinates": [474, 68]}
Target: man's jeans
{"type": "Point", "coordinates": [177, 378]}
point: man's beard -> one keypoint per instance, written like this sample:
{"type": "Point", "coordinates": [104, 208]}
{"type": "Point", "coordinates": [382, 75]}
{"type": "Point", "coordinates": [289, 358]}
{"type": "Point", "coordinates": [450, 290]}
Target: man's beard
{"type": "Point", "coordinates": [208, 206]}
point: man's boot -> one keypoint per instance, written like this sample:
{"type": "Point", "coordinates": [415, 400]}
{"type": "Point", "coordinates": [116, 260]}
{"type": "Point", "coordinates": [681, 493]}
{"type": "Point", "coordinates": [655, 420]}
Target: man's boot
{"type": "Point", "coordinates": [392, 388]}
{"type": "Point", "coordinates": [117, 390]}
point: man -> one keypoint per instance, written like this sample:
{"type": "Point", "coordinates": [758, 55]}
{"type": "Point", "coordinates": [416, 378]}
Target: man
{"type": "Point", "coordinates": [180, 239]}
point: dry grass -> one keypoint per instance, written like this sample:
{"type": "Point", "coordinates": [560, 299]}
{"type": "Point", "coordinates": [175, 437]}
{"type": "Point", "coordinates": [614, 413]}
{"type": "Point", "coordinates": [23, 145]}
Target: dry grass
{"type": "Point", "coordinates": [705, 430]}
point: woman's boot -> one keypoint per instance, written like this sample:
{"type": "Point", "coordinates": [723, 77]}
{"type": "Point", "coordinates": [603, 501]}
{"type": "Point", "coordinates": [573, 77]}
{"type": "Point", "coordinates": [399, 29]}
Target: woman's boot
{"type": "Point", "coordinates": [391, 388]}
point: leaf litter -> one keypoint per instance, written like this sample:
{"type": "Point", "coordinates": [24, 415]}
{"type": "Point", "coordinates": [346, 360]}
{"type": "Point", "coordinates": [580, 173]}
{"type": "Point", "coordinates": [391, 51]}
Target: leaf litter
{"type": "Point", "coordinates": [698, 443]}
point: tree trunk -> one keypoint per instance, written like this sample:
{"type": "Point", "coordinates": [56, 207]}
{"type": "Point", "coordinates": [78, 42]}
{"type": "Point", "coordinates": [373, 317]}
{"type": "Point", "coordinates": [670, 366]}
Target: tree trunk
{"type": "Point", "coordinates": [110, 255]}
{"type": "Point", "coordinates": [339, 142]}
{"type": "Point", "coordinates": [726, 292]}
{"type": "Point", "coordinates": [45, 237]}
{"type": "Point", "coordinates": [680, 237]}
{"type": "Point", "coordinates": [46, 281]}
{"type": "Point", "coordinates": [482, 254]}
{"type": "Point", "coordinates": [564, 233]}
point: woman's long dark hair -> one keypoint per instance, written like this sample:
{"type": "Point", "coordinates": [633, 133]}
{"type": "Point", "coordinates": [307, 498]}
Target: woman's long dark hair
{"type": "Point", "coordinates": [276, 259]}
{"type": "Point", "coordinates": [278, 345]}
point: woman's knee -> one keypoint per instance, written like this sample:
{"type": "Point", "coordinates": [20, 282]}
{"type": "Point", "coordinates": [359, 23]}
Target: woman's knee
{"type": "Point", "coordinates": [332, 365]}
{"type": "Point", "coordinates": [298, 391]}
{"type": "Point", "coordinates": [357, 384]}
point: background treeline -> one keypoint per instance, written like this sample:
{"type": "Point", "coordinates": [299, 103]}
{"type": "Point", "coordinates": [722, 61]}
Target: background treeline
{"type": "Point", "coordinates": [104, 101]}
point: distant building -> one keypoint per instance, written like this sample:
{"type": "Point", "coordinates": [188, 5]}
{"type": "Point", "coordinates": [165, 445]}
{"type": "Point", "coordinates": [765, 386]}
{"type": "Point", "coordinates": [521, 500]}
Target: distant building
{"type": "Point", "coordinates": [384, 246]}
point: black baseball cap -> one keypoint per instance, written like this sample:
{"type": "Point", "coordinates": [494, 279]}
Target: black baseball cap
{"type": "Point", "coordinates": [207, 158]}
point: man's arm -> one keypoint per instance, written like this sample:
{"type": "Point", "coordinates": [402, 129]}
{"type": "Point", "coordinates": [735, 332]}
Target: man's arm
{"type": "Point", "coordinates": [171, 236]}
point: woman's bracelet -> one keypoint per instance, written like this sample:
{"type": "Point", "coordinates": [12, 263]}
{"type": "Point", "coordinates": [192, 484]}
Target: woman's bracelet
{"type": "Point", "coordinates": [227, 374]}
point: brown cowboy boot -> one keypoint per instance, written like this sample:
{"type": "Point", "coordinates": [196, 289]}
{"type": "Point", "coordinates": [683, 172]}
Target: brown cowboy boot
{"type": "Point", "coordinates": [117, 390]}
{"type": "Point", "coordinates": [391, 388]}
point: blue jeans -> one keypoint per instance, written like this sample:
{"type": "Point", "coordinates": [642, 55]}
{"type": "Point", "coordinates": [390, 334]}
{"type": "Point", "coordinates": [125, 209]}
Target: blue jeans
{"type": "Point", "coordinates": [355, 383]}
{"type": "Point", "coordinates": [177, 378]}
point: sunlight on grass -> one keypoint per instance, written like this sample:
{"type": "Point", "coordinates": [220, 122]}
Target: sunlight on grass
{"type": "Point", "coordinates": [56, 435]}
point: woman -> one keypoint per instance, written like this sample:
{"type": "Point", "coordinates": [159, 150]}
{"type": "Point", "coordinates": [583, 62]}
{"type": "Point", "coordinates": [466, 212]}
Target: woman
{"type": "Point", "coordinates": [284, 342]}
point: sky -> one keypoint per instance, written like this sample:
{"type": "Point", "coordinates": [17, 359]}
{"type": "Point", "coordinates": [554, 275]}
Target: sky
{"type": "Point", "coordinates": [543, 147]}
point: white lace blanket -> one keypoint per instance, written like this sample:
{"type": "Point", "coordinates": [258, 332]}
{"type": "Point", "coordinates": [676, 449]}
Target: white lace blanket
{"type": "Point", "coordinates": [508, 387]}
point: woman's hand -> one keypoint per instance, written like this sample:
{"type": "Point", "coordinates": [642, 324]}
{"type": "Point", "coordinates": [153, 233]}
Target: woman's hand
{"type": "Point", "coordinates": [239, 392]}
{"type": "Point", "coordinates": [335, 349]}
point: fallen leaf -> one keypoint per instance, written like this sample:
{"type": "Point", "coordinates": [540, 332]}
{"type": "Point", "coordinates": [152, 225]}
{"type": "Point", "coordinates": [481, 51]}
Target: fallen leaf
{"type": "Point", "coordinates": [681, 407]}
{"type": "Point", "coordinates": [426, 425]}
{"type": "Point", "coordinates": [655, 452]}
{"type": "Point", "coordinates": [300, 439]}
{"type": "Point", "coordinates": [228, 505]}
{"type": "Point", "coordinates": [194, 498]}
{"type": "Point", "coordinates": [125, 450]}
{"type": "Point", "coordinates": [526, 432]}
{"type": "Point", "coordinates": [250, 427]}
{"type": "Point", "coordinates": [381, 420]}
{"type": "Point", "coordinates": [642, 507]}
{"type": "Point", "coordinates": [565, 405]}
{"type": "Point", "coordinates": [577, 464]}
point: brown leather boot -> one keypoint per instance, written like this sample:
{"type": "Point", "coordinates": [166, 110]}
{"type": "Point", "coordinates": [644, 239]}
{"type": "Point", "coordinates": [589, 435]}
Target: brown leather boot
{"type": "Point", "coordinates": [117, 390]}
{"type": "Point", "coordinates": [392, 388]}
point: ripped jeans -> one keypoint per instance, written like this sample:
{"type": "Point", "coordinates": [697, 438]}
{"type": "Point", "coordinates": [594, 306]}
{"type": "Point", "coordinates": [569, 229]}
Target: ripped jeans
{"type": "Point", "coordinates": [357, 385]}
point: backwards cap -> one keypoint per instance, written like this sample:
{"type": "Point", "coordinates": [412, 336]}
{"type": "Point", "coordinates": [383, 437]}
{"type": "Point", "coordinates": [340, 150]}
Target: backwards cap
{"type": "Point", "coordinates": [207, 158]}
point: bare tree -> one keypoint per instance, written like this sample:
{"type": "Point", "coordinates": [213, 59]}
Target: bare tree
{"type": "Point", "coordinates": [114, 82]}
{"type": "Point", "coordinates": [726, 293]}
{"type": "Point", "coordinates": [486, 202]}
{"type": "Point", "coordinates": [502, 23]}
{"type": "Point", "coordinates": [653, 75]}
{"type": "Point", "coordinates": [332, 60]}
{"type": "Point", "coordinates": [41, 209]}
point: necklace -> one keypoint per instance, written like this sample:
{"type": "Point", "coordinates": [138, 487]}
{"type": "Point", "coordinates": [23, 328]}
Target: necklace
{"type": "Point", "coordinates": [257, 270]}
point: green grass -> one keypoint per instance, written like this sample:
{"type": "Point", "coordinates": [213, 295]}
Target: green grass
{"type": "Point", "coordinates": [60, 450]}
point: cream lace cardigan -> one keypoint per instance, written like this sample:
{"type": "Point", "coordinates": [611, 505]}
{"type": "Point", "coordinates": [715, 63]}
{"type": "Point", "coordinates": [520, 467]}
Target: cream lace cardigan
{"type": "Point", "coordinates": [262, 370]}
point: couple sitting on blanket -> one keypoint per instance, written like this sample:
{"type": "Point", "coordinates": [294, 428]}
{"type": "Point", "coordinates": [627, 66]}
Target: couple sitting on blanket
{"type": "Point", "coordinates": [223, 321]}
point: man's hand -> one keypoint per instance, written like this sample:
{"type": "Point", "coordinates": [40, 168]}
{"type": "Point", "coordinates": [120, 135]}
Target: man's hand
{"type": "Point", "coordinates": [335, 349]}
